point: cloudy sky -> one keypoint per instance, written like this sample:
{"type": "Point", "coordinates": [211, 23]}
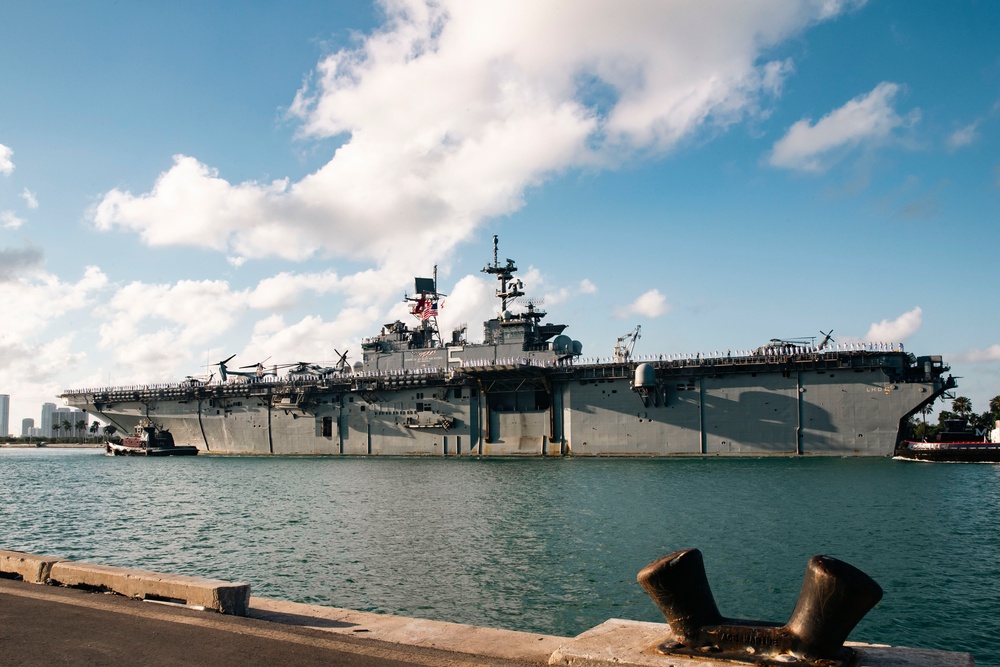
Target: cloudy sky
{"type": "Point", "coordinates": [180, 182]}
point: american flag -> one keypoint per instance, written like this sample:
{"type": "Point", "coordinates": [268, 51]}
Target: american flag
{"type": "Point", "coordinates": [430, 310]}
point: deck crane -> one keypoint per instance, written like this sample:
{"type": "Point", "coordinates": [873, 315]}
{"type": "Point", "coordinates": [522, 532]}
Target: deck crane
{"type": "Point", "coordinates": [625, 344]}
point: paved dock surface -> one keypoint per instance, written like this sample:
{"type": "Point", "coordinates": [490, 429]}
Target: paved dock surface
{"type": "Point", "coordinates": [48, 625]}
{"type": "Point", "coordinates": [51, 625]}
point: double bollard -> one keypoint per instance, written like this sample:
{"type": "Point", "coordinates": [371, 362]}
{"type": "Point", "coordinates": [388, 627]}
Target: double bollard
{"type": "Point", "coordinates": [835, 597]}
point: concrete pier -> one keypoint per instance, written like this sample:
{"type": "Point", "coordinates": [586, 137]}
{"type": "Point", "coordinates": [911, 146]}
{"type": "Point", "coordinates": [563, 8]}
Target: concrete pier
{"type": "Point", "coordinates": [220, 596]}
{"type": "Point", "coordinates": [64, 622]}
{"type": "Point", "coordinates": [633, 644]}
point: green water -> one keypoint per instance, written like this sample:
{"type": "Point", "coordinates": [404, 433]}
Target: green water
{"type": "Point", "coordinates": [549, 546]}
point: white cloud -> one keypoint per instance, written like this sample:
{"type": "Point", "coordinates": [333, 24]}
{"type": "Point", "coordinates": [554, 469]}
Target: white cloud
{"type": "Point", "coordinates": [10, 221]}
{"type": "Point", "coordinates": [451, 109]}
{"type": "Point", "coordinates": [867, 118]}
{"type": "Point", "coordinates": [286, 290]}
{"type": "Point", "coordinates": [31, 373]}
{"type": "Point", "coordinates": [830, 8]}
{"type": "Point", "coordinates": [564, 294]}
{"type": "Point", "coordinates": [6, 160]}
{"type": "Point", "coordinates": [156, 332]}
{"type": "Point", "coordinates": [188, 312]}
{"type": "Point", "coordinates": [30, 199]}
{"type": "Point", "coordinates": [445, 115]}
{"type": "Point", "coordinates": [311, 338]}
{"type": "Point", "coordinates": [472, 301]}
{"type": "Point", "coordinates": [897, 330]}
{"type": "Point", "coordinates": [963, 136]}
{"type": "Point", "coordinates": [991, 353]}
{"type": "Point", "coordinates": [40, 298]}
{"type": "Point", "coordinates": [191, 205]}
{"type": "Point", "coordinates": [651, 304]}
{"type": "Point", "coordinates": [16, 262]}
{"type": "Point", "coordinates": [561, 295]}
{"type": "Point", "coordinates": [469, 303]}
{"type": "Point", "coordinates": [535, 283]}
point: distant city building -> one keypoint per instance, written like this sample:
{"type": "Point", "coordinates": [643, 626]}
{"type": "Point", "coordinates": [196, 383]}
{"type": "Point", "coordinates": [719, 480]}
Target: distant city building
{"type": "Point", "coordinates": [81, 423]}
{"type": "Point", "coordinates": [46, 426]}
{"type": "Point", "coordinates": [4, 415]}
{"type": "Point", "coordinates": [60, 415]}
{"type": "Point", "coordinates": [71, 416]}
{"type": "Point", "coordinates": [27, 427]}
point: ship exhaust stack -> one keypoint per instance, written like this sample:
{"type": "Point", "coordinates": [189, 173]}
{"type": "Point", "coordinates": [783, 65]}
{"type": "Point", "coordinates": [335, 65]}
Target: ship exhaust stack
{"type": "Point", "coordinates": [835, 597]}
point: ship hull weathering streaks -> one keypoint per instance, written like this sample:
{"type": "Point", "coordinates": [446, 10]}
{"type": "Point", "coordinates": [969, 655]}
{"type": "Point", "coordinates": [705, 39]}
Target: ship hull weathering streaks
{"type": "Point", "coordinates": [528, 391]}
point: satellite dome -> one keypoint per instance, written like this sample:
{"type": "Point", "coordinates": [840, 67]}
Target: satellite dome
{"type": "Point", "coordinates": [561, 343]}
{"type": "Point", "coordinates": [645, 376]}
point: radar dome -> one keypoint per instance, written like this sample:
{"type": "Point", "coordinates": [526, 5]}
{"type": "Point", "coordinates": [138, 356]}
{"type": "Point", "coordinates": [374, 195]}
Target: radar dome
{"type": "Point", "coordinates": [645, 376]}
{"type": "Point", "coordinates": [561, 343]}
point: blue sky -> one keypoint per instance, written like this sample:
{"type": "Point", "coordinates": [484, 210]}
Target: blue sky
{"type": "Point", "coordinates": [180, 182]}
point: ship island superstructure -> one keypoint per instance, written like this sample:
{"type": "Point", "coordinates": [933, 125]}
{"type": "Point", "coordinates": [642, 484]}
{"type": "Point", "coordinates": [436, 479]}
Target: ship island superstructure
{"type": "Point", "coordinates": [527, 390]}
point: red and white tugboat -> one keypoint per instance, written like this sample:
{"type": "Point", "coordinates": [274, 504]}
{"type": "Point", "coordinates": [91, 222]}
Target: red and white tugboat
{"type": "Point", "coordinates": [147, 440]}
{"type": "Point", "coordinates": [956, 444]}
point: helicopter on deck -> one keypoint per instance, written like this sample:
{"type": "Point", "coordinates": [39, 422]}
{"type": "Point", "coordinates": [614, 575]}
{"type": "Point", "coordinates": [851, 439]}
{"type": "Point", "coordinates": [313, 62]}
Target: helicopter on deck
{"type": "Point", "coordinates": [779, 345]}
{"type": "Point", "coordinates": [258, 373]}
{"type": "Point", "coordinates": [300, 368]}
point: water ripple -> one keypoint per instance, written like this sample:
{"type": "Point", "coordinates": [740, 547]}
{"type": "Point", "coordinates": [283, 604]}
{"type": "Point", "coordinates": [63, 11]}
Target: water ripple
{"type": "Point", "coordinates": [547, 546]}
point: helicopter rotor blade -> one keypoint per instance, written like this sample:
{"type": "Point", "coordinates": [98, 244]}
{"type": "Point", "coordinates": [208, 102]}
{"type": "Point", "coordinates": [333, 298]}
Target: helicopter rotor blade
{"type": "Point", "coordinates": [259, 363]}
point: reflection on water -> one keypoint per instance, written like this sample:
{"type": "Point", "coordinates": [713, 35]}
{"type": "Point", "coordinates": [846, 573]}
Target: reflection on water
{"type": "Point", "coordinates": [542, 545]}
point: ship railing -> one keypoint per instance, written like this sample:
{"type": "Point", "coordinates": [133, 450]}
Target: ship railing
{"type": "Point", "coordinates": [766, 355]}
{"type": "Point", "coordinates": [397, 377]}
{"type": "Point", "coordinates": [845, 355]}
{"type": "Point", "coordinates": [778, 352]}
{"type": "Point", "coordinates": [506, 361]}
{"type": "Point", "coordinates": [399, 372]}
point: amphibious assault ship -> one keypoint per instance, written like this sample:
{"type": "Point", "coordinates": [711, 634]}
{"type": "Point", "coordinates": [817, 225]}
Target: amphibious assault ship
{"type": "Point", "coordinates": [527, 390]}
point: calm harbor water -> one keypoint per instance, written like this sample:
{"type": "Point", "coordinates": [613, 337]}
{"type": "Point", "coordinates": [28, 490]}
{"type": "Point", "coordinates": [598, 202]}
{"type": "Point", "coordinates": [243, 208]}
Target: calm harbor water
{"type": "Point", "coordinates": [549, 546]}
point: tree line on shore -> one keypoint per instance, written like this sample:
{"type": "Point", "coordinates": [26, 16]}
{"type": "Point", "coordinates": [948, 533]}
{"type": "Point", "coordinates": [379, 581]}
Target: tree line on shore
{"type": "Point", "coordinates": [72, 432]}
{"type": "Point", "coordinates": [961, 409]}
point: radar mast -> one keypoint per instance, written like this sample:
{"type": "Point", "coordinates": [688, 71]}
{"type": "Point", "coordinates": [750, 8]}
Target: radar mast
{"type": "Point", "coordinates": [510, 288]}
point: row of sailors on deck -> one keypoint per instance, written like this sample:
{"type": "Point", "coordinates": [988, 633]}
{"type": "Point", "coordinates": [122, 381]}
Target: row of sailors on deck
{"type": "Point", "coordinates": [765, 351]}
{"type": "Point", "coordinates": [771, 351]}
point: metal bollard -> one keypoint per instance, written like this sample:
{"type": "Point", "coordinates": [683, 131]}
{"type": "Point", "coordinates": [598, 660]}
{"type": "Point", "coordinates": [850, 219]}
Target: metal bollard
{"type": "Point", "coordinates": [835, 596]}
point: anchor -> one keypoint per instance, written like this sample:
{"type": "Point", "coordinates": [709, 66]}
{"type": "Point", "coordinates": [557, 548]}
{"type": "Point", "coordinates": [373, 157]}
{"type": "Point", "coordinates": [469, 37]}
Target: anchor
{"type": "Point", "coordinates": [835, 597]}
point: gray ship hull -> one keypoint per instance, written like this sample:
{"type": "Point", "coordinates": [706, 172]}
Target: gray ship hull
{"type": "Point", "coordinates": [797, 404]}
{"type": "Point", "coordinates": [526, 391]}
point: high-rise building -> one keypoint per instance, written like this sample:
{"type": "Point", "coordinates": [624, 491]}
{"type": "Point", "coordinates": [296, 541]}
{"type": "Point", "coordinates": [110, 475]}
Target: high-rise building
{"type": "Point", "coordinates": [79, 420]}
{"type": "Point", "coordinates": [27, 427]}
{"type": "Point", "coordinates": [46, 427]}
{"type": "Point", "coordinates": [60, 415]}
{"type": "Point", "coordinates": [73, 417]}
{"type": "Point", "coordinates": [4, 415]}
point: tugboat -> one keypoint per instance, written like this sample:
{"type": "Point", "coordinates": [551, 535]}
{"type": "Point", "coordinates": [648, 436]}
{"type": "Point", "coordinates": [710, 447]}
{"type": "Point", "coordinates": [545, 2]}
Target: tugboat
{"type": "Point", "coordinates": [146, 440]}
{"type": "Point", "coordinates": [956, 444]}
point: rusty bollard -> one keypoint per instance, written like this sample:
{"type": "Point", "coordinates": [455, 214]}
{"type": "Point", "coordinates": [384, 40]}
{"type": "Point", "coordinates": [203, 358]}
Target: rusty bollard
{"type": "Point", "coordinates": [835, 597]}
